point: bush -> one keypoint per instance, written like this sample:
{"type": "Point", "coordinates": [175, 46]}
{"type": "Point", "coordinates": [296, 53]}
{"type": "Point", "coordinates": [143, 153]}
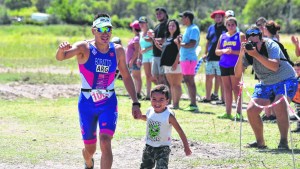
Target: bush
{"type": "Point", "coordinates": [205, 23]}
{"type": "Point", "coordinates": [121, 23]}
{"type": "Point", "coordinates": [296, 25]}
{"type": "Point", "coordinates": [4, 18]}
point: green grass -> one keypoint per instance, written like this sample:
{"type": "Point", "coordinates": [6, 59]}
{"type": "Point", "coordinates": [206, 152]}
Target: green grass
{"type": "Point", "coordinates": [35, 46]}
{"type": "Point", "coordinates": [48, 130]}
{"type": "Point", "coordinates": [39, 78]}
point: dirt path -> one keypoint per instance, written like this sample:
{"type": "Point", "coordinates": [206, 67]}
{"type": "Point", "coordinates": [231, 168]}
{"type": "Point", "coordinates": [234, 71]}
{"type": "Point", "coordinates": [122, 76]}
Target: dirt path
{"type": "Point", "coordinates": [128, 152]}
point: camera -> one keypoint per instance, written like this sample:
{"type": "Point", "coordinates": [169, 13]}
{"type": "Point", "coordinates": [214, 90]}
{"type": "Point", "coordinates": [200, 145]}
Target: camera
{"type": "Point", "coordinates": [249, 45]}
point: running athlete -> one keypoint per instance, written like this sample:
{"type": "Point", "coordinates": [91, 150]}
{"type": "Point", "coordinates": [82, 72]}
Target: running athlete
{"type": "Point", "coordinates": [98, 60]}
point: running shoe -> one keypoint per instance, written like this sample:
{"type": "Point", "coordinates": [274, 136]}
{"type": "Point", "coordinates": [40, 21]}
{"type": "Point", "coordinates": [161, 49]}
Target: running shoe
{"type": "Point", "coordinates": [214, 97]}
{"type": "Point", "coordinates": [238, 117]}
{"type": "Point", "coordinates": [225, 116]}
{"type": "Point", "coordinates": [192, 108]}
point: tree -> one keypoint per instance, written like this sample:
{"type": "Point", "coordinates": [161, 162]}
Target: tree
{"type": "Point", "coordinates": [4, 19]}
{"type": "Point", "coordinates": [41, 5]}
{"type": "Point", "coordinates": [17, 4]}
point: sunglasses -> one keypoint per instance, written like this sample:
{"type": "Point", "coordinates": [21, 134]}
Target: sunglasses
{"type": "Point", "coordinates": [104, 29]}
{"type": "Point", "coordinates": [252, 32]}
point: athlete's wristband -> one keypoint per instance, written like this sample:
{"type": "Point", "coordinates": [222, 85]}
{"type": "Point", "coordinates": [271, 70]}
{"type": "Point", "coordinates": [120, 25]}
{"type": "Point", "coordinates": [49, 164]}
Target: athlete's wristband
{"type": "Point", "coordinates": [136, 104]}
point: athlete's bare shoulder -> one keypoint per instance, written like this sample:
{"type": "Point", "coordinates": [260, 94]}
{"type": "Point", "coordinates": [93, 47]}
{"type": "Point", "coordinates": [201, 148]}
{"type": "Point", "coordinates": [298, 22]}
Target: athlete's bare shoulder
{"type": "Point", "coordinates": [119, 49]}
{"type": "Point", "coordinates": [84, 44]}
{"type": "Point", "coordinates": [118, 46]}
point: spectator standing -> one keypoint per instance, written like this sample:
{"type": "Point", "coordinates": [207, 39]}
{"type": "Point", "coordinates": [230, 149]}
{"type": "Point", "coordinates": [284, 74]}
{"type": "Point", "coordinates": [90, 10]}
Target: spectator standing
{"type": "Point", "coordinates": [261, 24]}
{"type": "Point", "coordinates": [212, 69]}
{"type": "Point", "coordinates": [272, 30]}
{"type": "Point", "coordinates": [146, 49]}
{"type": "Point", "coordinates": [170, 61]}
{"type": "Point", "coordinates": [297, 69]}
{"type": "Point", "coordinates": [133, 58]}
{"type": "Point", "coordinates": [228, 48]}
{"type": "Point", "coordinates": [274, 75]}
{"type": "Point", "coordinates": [188, 58]}
{"type": "Point", "coordinates": [158, 37]}
{"type": "Point", "coordinates": [296, 98]}
{"type": "Point", "coordinates": [230, 13]}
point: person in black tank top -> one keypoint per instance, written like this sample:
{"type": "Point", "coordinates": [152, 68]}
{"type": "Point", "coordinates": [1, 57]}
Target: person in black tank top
{"type": "Point", "coordinates": [170, 61]}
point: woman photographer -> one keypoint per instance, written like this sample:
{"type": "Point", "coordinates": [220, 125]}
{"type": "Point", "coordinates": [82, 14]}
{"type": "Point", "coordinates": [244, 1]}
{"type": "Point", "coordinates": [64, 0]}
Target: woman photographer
{"type": "Point", "coordinates": [276, 76]}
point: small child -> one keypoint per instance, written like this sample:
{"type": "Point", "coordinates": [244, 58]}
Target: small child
{"type": "Point", "coordinates": [296, 98]}
{"type": "Point", "coordinates": [160, 120]}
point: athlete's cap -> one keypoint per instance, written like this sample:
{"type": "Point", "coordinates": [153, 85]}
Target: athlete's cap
{"type": "Point", "coordinates": [188, 14]}
{"type": "Point", "coordinates": [229, 13]}
{"type": "Point", "coordinates": [220, 12]}
{"type": "Point", "coordinates": [102, 22]}
{"type": "Point", "coordinates": [143, 19]}
{"type": "Point", "coordinates": [135, 25]}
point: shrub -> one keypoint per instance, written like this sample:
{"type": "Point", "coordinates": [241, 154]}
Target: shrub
{"type": "Point", "coordinates": [4, 18]}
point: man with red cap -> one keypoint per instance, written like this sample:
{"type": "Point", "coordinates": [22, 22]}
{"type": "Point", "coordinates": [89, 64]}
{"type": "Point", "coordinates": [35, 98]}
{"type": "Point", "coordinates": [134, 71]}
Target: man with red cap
{"type": "Point", "coordinates": [212, 65]}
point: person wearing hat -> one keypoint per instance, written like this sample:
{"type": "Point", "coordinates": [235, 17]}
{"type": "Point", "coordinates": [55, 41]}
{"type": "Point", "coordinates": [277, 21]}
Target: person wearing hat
{"type": "Point", "coordinates": [229, 13]}
{"type": "Point", "coordinates": [133, 57]}
{"type": "Point", "coordinates": [188, 57]}
{"type": "Point", "coordinates": [146, 49]}
{"type": "Point", "coordinates": [212, 69]}
{"type": "Point", "coordinates": [98, 60]}
{"type": "Point", "coordinates": [157, 36]}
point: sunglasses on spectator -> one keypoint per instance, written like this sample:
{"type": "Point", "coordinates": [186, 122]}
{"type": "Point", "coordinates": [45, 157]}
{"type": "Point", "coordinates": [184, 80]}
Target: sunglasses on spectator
{"type": "Point", "coordinates": [252, 32]}
{"type": "Point", "coordinates": [104, 29]}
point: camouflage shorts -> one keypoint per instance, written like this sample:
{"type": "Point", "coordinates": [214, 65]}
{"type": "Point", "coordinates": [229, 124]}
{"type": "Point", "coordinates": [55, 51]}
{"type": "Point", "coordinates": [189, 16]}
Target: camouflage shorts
{"type": "Point", "coordinates": [158, 155]}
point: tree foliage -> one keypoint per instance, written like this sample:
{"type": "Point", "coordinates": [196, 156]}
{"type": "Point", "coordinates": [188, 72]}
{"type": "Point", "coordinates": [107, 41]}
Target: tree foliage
{"type": "Point", "coordinates": [285, 12]}
{"type": "Point", "coordinates": [17, 4]}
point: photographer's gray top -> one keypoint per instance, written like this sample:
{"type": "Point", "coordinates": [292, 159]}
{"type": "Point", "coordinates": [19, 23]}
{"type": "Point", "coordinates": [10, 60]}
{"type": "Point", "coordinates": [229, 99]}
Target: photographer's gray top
{"type": "Point", "coordinates": [267, 76]}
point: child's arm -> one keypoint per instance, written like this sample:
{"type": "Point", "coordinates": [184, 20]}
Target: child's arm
{"type": "Point", "coordinates": [176, 125]}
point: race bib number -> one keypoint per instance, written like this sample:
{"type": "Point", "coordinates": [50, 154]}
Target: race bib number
{"type": "Point", "coordinates": [98, 95]}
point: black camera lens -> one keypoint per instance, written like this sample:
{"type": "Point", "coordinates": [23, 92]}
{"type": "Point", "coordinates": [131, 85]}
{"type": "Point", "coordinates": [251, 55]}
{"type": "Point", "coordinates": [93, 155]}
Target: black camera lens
{"type": "Point", "coordinates": [249, 45]}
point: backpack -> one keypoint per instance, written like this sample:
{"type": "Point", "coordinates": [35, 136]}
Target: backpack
{"type": "Point", "coordinates": [284, 51]}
